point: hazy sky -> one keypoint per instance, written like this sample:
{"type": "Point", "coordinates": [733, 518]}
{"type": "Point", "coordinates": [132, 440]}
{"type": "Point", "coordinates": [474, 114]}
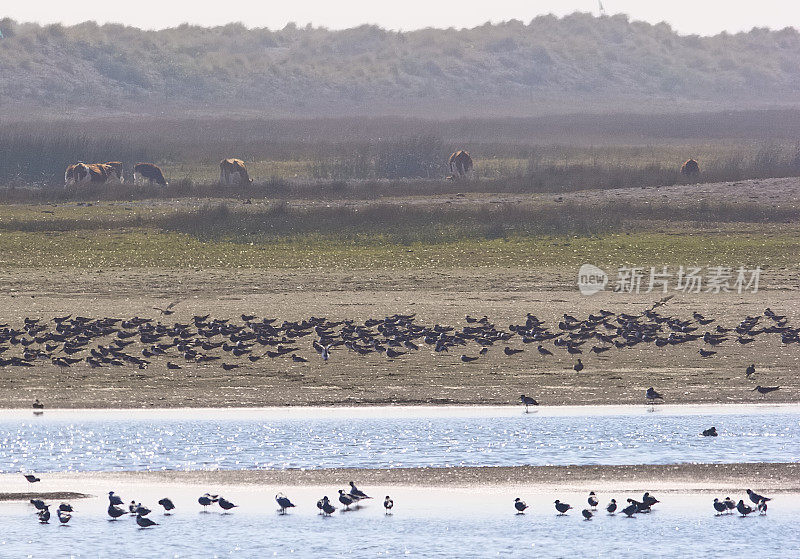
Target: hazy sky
{"type": "Point", "coordinates": [706, 17]}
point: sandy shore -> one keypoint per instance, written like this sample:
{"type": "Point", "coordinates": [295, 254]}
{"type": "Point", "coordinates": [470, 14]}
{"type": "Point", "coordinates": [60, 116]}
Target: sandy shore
{"type": "Point", "coordinates": [778, 477]}
{"type": "Point", "coordinates": [423, 377]}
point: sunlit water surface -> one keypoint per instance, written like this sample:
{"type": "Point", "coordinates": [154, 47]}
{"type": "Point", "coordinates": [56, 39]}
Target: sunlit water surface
{"type": "Point", "coordinates": [322, 438]}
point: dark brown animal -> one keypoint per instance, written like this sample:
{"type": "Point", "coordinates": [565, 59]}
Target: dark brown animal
{"type": "Point", "coordinates": [149, 172]}
{"type": "Point", "coordinates": [232, 172]}
{"type": "Point", "coordinates": [460, 163]}
{"type": "Point", "coordinates": [690, 168]}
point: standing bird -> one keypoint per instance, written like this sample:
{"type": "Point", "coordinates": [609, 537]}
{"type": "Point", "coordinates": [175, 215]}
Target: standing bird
{"type": "Point", "coordinates": [225, 504]}
{"type": "Point", "coordinates": [751, 370]}
{"type": "Point", "coordinates": [543, 351]}
{"type": "Point", "coordinates": [630, 510]}
{"type": "Point", "coordinates": [468, 359]}
{"type": "Point", "coordinates": [388, 504]}
{"type": "Point", "coordinates": [648, 500]}
{"type": "Point", "coordinates": [730, 504]}
{"type": "Point", "coordinates": [207, 500]}
{"type": "Point", "coordinates": [113, 499]}
{"type": "Point", "coordinates": [520, 505]}
{"type": "Point", "coordinates": [144, 522]}
{"type": "Point", "coordinates": [578, 366]}
{"type": "Point", "coordinates": [762, 507]}
{"type": "Point", "coordinates": [345, 499]}
{"type": "Point", "coordinates": [612, 506]}
{"type": "Point", "coordinates": [743, 509]}
{"type": "Point", "coordinates": [562, 508]}
{"type": "Point", "coordinates": [44, 514]}
{"type": "Point", "coordinates": [720, 506]}
{"type": "Point", "coordinates": [32, 478]}
{"type": "Point", "coordinates": [587, 514]}
{"type": "Point", "coordinates": [528, 401]}
{"type": "Point", "coordinates": [592, 500]}
{"type": "Point", "coordinates": [327, 508]}
{"type": "Point", "coordinates": [115, 512]}
{"type": "Point", "coordinates": [766, 389]}
{"type": "Point", "coordinates": [167, 504]}
{"type": "Point", "coordinates": [63, 516]}
{"type": "Point", "coordinates": [756, 498]}
{"type": "Point", "coordinates": [652, 395]}
{"type": "Point", "coordinates": [710, 432]}
{"type": "Point", "coordinates": [38, 407]}
{"type": "Point", "coordinates": [357, 493]}
{"type": "Point", "coordinates": [283, 502]}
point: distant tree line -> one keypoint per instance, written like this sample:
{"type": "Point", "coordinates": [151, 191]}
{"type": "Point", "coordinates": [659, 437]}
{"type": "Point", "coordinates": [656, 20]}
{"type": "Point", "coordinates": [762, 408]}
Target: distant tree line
{"type": "Point", "coordinates": [571, 64]}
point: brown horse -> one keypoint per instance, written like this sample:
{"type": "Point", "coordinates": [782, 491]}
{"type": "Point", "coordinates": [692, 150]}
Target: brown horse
{"type": "Point", "coordinates": [232, 172]}
{"type": "Point", "coordinates": [460, 163]}
{"type": "Point", "coordinates": [690, 168]}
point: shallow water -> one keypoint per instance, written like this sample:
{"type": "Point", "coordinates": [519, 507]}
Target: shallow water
{"type": "Point", "coordinates": [323, 438]}
{"type": "Point", "coordinates": [429, 523]}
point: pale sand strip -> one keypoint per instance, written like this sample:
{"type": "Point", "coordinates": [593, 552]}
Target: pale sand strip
{"type": "Point", "coordinates": [778, 477]}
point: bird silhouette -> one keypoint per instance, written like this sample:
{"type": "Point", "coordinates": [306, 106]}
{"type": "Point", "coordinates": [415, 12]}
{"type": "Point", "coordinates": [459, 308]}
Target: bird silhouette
{"type": "Point", "coordinates": [528, 401]}
{"type": "Point", "coordinates": [766, 389]}
{"type": "Point", "coordinates": [562, 508]}
{"type": "Point", "coordinates": [520, 505]}
{"type": "Point", "coordinates": [32, 478]}
{"type": "Point", "coordinates": [611, 508]}
{"type": "Point", "coordinates": [144, 522]}
{"type": "Point", "coordinates": [592, 500]}
{"type": "Point", "coordinates": [578, 367]}
{"type": "Point", "coordinates": [388, 504]}
{"type": "Point", "coordinates": [167, 504]}
{"type": "Point", "coordinates": [283, 502]}
{"type": "Point", "coordinates": [587, 514]}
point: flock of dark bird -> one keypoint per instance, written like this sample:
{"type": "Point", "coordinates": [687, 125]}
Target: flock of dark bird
{"type": "Point", "coordinates": [354, 496]}
{"type": "Point", "coordinates": [116, 506]}
{"type": "Point", "coordinates": [726, 506]}
{"type": "Point", "coordinates": [114, 342]}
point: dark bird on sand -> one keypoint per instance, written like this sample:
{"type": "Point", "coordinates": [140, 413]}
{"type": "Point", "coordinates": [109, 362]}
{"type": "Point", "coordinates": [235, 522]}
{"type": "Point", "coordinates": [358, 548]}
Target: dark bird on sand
{"type": "Point", "coordinates": [542, 350]}
{"type": "Point", "coordinates": [345, 499]}
{"type": "Point", "coordinates": [115, 512]}
{"type": "Point", "coordinates": [766, 389]}
{"type": "Point", "coordinates": [356, 492]}
{"type": "Point", "coordinates": [172, 366]}
{"type": "Point", "coordinates": [751, 370]}
{"type": "Point", "coordinates": [578, 366]}
{"type": "Point", "coordinates": [32, 478]}
{"type": "Point", "coordinates": [283, 502]}
{"type": "Point", "coordinates": [520, 505]}
{"type": "Point", "coordinates": [630, 510]}
{"type": "Point", "coordinates": [225, 503]}
{"type": "Point", "coordinates": [467, 359]}
{"type": "Point", "coordinates": [37, 405]}
{"type": "Point", "coordinates": [167, 504]}
{"type": "Point", "coordinates": [710, 432]}
{"type": "Point", "coordinates": [144, 522]}
{"type": "Point", "coordinates": [510, 351]}
{"type": "Point", "coordinates": [756, 498]}
{"type": "Point", "coordinates": [706, 353]}
{"type": "Point", "coordinates": [298, 359]}
{"type": "Point", "coordinates": [229, 367]}
{"type": "Point", "coordinates": [168, 310]}
{"type": "Point", "coordinates": [743, 509]}
{"type": "Point", "coordinates": [528, 401]}
{"type": "Point", "coordinates": [562, 508]}
{"type": "Point", "coordinates": [327, 508]}
{"type": "Point", "coordinates": [652, 395]}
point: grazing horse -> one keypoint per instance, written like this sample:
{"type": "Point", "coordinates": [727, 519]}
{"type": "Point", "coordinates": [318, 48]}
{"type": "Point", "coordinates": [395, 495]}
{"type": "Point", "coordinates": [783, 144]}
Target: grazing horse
{"type": "Point", "coordinates": [150, 172]}
{"type": "Point", "coordinates": [690, 168]}
{"type": "Point", "coordinates": [460, 163]}
{"type": "Point", "coordinates": [232, 172]}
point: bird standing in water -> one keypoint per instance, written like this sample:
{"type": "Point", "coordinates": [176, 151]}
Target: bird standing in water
{"type": "Point", "coordinates": [167, 504]}
{"type": "Point", "coordinates": [652, 395]}
{"type": "Point", "coordinates": [587, 514]}
{"type": "Point", "coordinates": [612, 506]}
{"type": "Point", "coordinates": [592, 500]}
{"type": "Point", "coordinates": [144, 522]}
{"type": "Point", "coordinates": [528, 401]}
{"type": "Point", "coordinates": [562, 508]}
{"type": "Point", "coordinates": [520, 505]}
{"type": "Point", "coordinates": [388, 504]}
{"type": "Point", "coordinates": [283, 502]}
